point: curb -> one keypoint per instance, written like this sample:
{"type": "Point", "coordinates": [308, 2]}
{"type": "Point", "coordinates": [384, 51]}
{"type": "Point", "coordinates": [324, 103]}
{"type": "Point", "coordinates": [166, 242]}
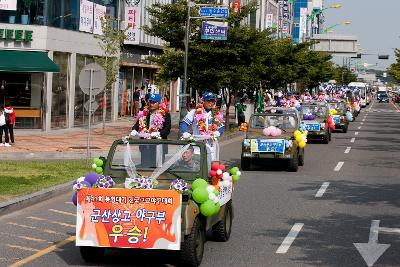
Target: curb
{"type": "Point", "coordinates": [34, 198]}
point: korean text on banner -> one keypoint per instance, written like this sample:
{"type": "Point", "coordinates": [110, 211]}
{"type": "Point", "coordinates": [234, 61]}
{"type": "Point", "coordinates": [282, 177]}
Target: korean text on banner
{"type": "Point", "coordinates": [269, 20]}
{"type": "Point", "coordinates": [126, 218]}
{"type": "Point", "coordinates": [214, 30]}
{"type": "Point", "coordinates": [8, 4]}
{"type": "Point", "coordinates": [99, 13]}
{"type": "Point", "coordinates": [132, 18]}
{"type": "Point", "coordinates": [86, 16]}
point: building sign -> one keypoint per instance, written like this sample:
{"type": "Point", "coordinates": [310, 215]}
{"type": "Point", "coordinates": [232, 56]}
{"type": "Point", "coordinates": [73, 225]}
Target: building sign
{"type": "Point", "coordinates": [86, 16]}
{"type": "Point", "coordinates": [16, 35]}
{"type": "Point", "coordinates": [220, 12]}
{"type": "Point", "coordinates": [99, 13]}
{"type": "Point", "coordinates": [8, 4]}
{"type": "Point", "coordinates": [132, 19]}
{"type": "Point", "coordinates": [269, 21]}
{"type": "Point", "coordinates": [139, 55]}
{"type": "Point", "coordinates": [214, 30]}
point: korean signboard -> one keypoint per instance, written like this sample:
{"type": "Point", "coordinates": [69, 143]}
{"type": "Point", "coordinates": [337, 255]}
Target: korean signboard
{"type": "Point", "coordinates": [220, 12]}
{"type": "Point", "coordinates": [132, 18]}
{"type": "Point", "coordinates": [99, 13]}
{"type": "Point", "coordinates": [214, 30]}
{"type": "Point", "coordinates": [8, 4]}
{"type": "Point", "coordinates": [126, 218]}
{"type": "Point", "coordinates": [86, 16]}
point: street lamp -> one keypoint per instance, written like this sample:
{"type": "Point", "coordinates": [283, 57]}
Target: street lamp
{"type": "Point", "coordinates": [330, 29]}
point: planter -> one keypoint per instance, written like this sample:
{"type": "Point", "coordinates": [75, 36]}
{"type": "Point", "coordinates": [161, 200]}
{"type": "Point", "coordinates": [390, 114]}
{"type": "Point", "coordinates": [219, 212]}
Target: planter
{"type": "Point", "coordinates": [25, 19]}
{"type": "Point", "coordinates": [11, 19]}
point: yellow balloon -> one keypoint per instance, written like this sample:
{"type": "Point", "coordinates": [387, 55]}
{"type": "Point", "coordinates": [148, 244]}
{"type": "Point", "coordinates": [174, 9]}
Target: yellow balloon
{"type": "Point", "coordinates": [299, 138]}
{"type": "Point", "coordinates": [297, 132]}
{"type": "Point", "coordinates": [302, 144]}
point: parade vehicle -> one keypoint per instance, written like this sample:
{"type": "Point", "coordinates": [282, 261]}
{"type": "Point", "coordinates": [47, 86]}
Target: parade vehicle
{"type": "Point", "coordinates": [315, 117]}
{"type": "Point", "coordinates": [274, 135]}
{"type": "Point", "coordinates": [338, 111]}
{"type": "Point", "coordinates": [361, 90]}
{"type": "Point", "coordinates": [148, 195]}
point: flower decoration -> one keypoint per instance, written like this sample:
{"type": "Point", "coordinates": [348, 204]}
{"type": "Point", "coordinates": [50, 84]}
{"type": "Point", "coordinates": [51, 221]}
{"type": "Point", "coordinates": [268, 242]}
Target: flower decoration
{"type": "Point", "coordinates": [215, 122]}
{"type": "Point", "coordinates": [153, 131]}
{"type": "Point", "coordinates": [104, 182]}
{"type": "Point", "coordinates": [179, 185]}
{"type": "Point", "coordinates": [143, 182]}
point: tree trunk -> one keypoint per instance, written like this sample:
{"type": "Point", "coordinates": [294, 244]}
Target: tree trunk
{"type": "Point", "coordinates": [104, 109]}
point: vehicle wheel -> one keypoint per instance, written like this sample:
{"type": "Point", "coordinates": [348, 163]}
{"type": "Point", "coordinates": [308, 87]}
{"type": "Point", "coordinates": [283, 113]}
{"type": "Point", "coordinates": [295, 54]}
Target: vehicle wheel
{"type": "Point", "coordinates": [245, 164]}
{"type": "Point", "coordinates": [222, 230]}
{"type": "Point", "coordinates": [345, 128]}
{"type": "Point", "coordinates": [294, 163]}
{"type": "Point", "coordinates": [301, 158]}
{"type": "Point", "coordinates": [193, 246]}
{"type": "Point", "coordinates": [91, 254]}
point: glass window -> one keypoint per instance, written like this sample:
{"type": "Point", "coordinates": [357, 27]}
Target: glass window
{"type": "Point", "coordinates": [59, 110]}
{"type": "Point", "coordinates": [280, 121]}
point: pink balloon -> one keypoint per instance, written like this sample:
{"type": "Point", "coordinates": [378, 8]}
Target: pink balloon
{"type": "Point", "coordinates": [276, 132]}
{"type": "Point", "coordinates": [267, 131]}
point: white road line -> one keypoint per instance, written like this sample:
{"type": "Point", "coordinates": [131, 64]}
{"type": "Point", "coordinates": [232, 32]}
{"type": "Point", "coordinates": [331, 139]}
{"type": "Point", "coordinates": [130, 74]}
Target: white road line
{"type": "Point", "coordinates": [359, 127]}
{"type": "Point", "coordinates": [339, 166]}
{"type": "Point", "coordinates": [63, 212]}
{"type": "Point", "coordinates": [352, 140]}
{"type": "Point", "coordinates": [322, 190]}
{"type": "Point", "coordinates": [35, 228]}
{"type": "Point", "coordinates": [363, 119]}
{"type": "Point", "coordinates": [347, 151]}
{"type": "Point", "coordinates": [287, 242]}
{"type": "Point", "coordinates": [22, 248]}
{"type": "Point", "coordinates": [356, 133]}
{"type": "Point", "coordinates": [53, 222]}
{"type": "Point", "coordinates": [361, 123]}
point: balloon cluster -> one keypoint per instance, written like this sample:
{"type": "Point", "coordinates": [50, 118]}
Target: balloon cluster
{"type": "Point", "coordinates": [331, 123]}
{"type": "Point", "coordinates": [207, 196]}
{"type": "Point", "coordinates": [349, 116]}
{"type": "Point", "coordinates": [98, 165]}
{"type": "Point", "coordinates": [301, 138]}
{"type": "Point", "coordinates": [333, 112]}
{"type": "Point", "coordinates": [309, 117]}
{"type": "Point", "coordinates": [272, 131]}
{"type": "Point", "coordinates": [83, 182]}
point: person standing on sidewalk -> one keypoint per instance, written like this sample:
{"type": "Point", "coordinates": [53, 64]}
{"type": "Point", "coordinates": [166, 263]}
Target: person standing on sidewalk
{"type": "Point", "coordinates": [10, 120]}
{"type": "Point", "coordinates": [3, 128]}
{"type": "Point", "coordinates": [135, 99]}
{"type": "Point", "coordinates": [241, 108]}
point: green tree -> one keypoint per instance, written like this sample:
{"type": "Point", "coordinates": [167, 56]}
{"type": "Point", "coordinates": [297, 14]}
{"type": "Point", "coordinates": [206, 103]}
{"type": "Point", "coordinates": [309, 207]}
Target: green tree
{"type": "Point", "coordinates": [394, 69]}
{"type": "Point", "coordinates": [342, 75]}
{"type": "Point", "coordinates": [111, 42]}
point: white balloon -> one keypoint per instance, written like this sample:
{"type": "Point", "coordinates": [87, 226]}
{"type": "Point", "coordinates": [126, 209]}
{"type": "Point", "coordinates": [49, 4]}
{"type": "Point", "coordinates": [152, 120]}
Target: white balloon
{"type": "Point", "coordinates": [226, 183]}
{"type": "Point", "coordinates": [219, 172]}
{"type": "Point", "coordinates": [80, 179]}
{"type": "Point", "coordinates": [211, 196]}
{"type": "Point", "coordinates": [94, 166]}
{"type": "Point", "coordinates": [238, 173]}
{"type": "Point", "coordinates": [225, 176]}
{"type": "Point", "coordinates": [210, 188]}
{"type": "Point", "coordinates": [216, 200]}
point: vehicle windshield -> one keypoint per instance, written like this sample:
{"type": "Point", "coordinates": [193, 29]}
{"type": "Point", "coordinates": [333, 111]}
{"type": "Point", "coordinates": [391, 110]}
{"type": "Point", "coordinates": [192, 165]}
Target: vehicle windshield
{"type": "Point", "coordinates": [318, 111]}
{"type": "Point", "coordinates": [283, 122]}
{"type": "Point", "coordinates": [382, 95]}
{"type": "Point", "coordinates": [337, 105]}
{"type": "Point", "coordinates": [148, 157]}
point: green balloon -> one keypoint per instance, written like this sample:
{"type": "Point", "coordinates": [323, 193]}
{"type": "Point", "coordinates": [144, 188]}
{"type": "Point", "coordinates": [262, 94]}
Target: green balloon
{"type": "Point", "coordinates": [99, 163]}
{"type": "Point", "coordinates": [207, 208]}
{"type": "Point", "coordinates": [216, 192]}
{"type": "Point", "coordinates": [99, 170]}
{"type": "Point", "coordinates": [217, 208]}
{"type": "Point", "coordinates": [235, 178]}
{"type": "Point", "coordinates": [95, 160]}
{"type": "Point", "coordinates": [200, 194]}
{"type": "Point", "coordinates": [199, 183]}
{"type": "Point", "coordinates": [234, 170]}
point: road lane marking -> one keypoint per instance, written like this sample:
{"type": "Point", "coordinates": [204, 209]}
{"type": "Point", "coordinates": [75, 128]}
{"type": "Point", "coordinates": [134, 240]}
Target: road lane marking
{"type": "Point", "coordinates": [63, 212]}
{"type": "Point", "coordinates": [359, 127]}
{"type": "Point", "coordinates": [322, 190]}
{"type": "Point", "coordinates": [53, 222]}
{"type": "Point", "coordinates": [22, 248]}
{"type": "Point", "coordinates": [34, 239]}
{"type": "Point", "coordinates": [347, 151]}
{"type": "Point", "coordinates": [35, 228]}
{"type": "Point", "coordinates": [352, 140]}
{"type": "Point", "coordinates": [362, 123]}
{"type": "Point", "coordinates": [356, 133]}
{"type": "Point", "coordinates": [287, 242]}
{"type": "Point", "coordinates": [43, 252]}
{"type": "Point", "coordinates": [68, 202]}
{"type": "Point", "coordinates": [339, 166]}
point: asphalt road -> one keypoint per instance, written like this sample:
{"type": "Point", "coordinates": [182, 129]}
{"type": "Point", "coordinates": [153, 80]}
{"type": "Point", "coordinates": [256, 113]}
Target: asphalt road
{"type": "Point", "coordinates": [281, 218]}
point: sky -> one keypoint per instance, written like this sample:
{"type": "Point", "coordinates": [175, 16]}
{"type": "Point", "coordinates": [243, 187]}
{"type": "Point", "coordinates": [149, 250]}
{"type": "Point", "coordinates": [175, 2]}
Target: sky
{"type": "Point", "coordinates": [376, 23]}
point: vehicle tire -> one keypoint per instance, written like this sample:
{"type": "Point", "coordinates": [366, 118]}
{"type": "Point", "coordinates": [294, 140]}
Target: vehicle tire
{"type": "Point", "coordinates": [193, 246]}
{"type": "Point", "coordinates": [301, 158]}
{"type": "Point", "coordinates": [91, 254]}
{"type": "Point", "coordinates": [222, 230]}
{"type": "Point", "coordinates": [294, 163]}
{"type": "Point", "coordinates": [345, 128]}
{"type": "Point", "coordinates": [245, 164]}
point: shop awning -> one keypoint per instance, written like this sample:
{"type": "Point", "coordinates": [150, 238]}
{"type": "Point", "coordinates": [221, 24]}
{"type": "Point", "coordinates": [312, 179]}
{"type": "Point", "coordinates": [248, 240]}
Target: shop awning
{"type": "Point", "coordinates": [26, 61]}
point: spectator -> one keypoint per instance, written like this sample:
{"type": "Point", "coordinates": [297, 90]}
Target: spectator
{"type": "Point", "coordinates": [135, 99]}
{"type": "Point", "coordinates": [3, 128]}
{"type": "Point", "coordinates": [241, 108]}
{"type": "Point", "coordinates": [10, 120]}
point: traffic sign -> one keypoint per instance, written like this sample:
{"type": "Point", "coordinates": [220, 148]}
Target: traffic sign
{"type": "Point", "coordinates": [95, 105]}
{"type": "Point", "coordinates": [219, 12]}
{"type": "Point", "coordinates": [98, 79]}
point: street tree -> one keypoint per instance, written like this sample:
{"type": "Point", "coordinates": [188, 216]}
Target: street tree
{"type": "Point", "coordinates": [394, 69]}
{"type": "Point", "coordinates": [342, 75]}
{"type": "Point", "coordinates": [111, 42]}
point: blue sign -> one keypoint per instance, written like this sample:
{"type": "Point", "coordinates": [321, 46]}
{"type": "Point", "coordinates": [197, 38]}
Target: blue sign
{"type": "Point", "coordinates": [313, 127]}
{"type": "Point", "coordinates": [336, 118]}
{"type": "Point", "coordinates": [214, 30]}
{"type": "Point", "coordinates": [277, 146]}
{"type": "Point", "coordinates": [219, 12]}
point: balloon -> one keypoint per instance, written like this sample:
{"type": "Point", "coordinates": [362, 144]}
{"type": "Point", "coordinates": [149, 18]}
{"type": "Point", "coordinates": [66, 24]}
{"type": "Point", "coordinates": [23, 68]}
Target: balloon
{"type": "Point", "coordinates": [299, 138]}
{"type": "Point", "coordinates": [75, 198]}
{"type": "Point", "coordinates": [199, 183]}
{"type": "Point", "coordinates": [207, 208]}
{"type": "Point", "coordinates": [94, 166]}
{"type": "Point", "coordinates": [222, 167]}
{"type": "Point", "coordinates": [95, 160]}
{"type": "Point", "coordinates": [210, 189]}
{"type": "Point", "coordinates": [302, 144]}
{"type": "Point", "coordinates": [215, 166]}
{"type": "Point", "coordinates": [276, 132]}
{"type": "Point", "coordinates": [91, 178]}
{"type": "Point", "coordinates": [267, 131]}
{"type": "Point", "coordinates": [216, 192]}
{"type": "Point", "coordinates": [297, 132]}
{"type": "Point", "coordinates": [200, 194]}
{"type": "Point", "coordinates": [235, 178]}
{"type": "Point", "coordinates": [99, 163]}
{"type": "Point", "coordinates": [99, 170]}
{"type": "Point", "coordinates": [234, 170]}
{"type": "Point", "coordinates": [213, 173]}
{"type": "Point", "coordinates": [211, 196]}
